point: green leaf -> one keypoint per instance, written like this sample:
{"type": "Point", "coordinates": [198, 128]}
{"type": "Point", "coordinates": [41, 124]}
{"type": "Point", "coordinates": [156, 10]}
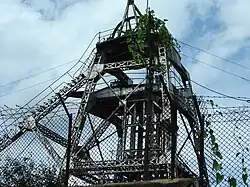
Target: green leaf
{"type": "Point", "coordinates": [244, 178]}
{"type": "Point", "coordinates": [247, 149]}
{"type": "Point", "coordinates": [205, 134]}
{"type": "Point", "coordinates": [219, 178]}
{"type": "Point", "coordinates": [218, 154]}
{"type": "Point", "coordinates": [237, 154]}
{"type": "Point", "coordinates": [213, 139]}
{"type": "Point", "coordinates": [216, 146]}
{"type": "Point", "coordinates": [216, 165]}
{"type": "Point", "coordinates": [168, 66]}
{"type": "Point", "coordinates": [232, 182]}
{"type": "Point", "coordinates": [244, 170]}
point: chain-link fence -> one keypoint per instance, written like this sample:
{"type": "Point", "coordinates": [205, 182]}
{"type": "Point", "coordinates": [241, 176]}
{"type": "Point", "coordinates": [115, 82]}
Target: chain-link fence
{"type": "Point", "coordinates": [116, 136]}
{"type": "Point", "coordinates": [39, 160]}
{"type": "Point", "coordinates": [228, 128]}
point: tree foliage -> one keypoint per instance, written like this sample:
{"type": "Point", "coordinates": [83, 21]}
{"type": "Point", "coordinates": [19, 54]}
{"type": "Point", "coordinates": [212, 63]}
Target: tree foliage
{"type": "Point", "coordinates": [24, 172]}
{"type": "Point", "coordinates": [138, 41]}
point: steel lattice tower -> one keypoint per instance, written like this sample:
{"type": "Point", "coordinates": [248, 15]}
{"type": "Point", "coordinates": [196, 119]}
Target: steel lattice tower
{"type": "Point", "coordinates": [146, 115]}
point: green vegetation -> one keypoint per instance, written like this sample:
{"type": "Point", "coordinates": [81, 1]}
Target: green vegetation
{"type": "Point", "coordinates": [139, 39]}
{"type": "Point", "coordinates": [150, 26]}
{"type": "Point", "coordinates": [218, 158]}
{"type": "Point", "coordinates": [24, 172]}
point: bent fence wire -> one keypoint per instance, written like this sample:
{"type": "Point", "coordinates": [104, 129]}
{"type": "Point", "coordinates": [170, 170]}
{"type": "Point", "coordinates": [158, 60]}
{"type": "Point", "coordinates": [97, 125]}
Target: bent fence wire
{"type": "Point", "coordinates": [27, 162]}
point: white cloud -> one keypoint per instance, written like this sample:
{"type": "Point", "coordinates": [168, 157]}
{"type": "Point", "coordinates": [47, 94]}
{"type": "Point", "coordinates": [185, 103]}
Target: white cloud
{"type": "Point", "coordinates": [31, 42]}
{"type": "Point", "coordinates": [227, 40]}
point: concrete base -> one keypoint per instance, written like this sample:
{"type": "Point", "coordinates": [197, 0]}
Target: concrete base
{"type": "Point", "coordinates": [178, 182]}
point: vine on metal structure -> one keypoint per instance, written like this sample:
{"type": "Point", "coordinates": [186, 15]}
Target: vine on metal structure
{"type": "Point", "coordinates": [217, 162]}
{"type": "Point", "coordinates": [138, 38]}
{"type": "Point", "coordinates": [242, 155]}
{"type": "Point", "coordinates": [138, 46]}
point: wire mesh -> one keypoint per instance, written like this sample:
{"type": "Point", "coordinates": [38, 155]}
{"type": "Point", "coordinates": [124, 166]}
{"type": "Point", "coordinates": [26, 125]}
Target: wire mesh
{"type": "Point", "coordinates": [231, 130]}
{"type": "Point", "coordinates": [28, 157]}
{"type": "Point", "coordinates": [111, 146]}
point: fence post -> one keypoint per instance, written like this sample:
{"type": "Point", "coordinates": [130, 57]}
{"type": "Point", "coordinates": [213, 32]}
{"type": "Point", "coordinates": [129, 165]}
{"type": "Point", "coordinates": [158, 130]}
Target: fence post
{"type": "Point", "coordinates": [69, 141]}
{"type": "Point", "coordinates": [201, 157]}
{"type": "Point", "coordinates": [202, 152]}
{"type": "Point", "coordinates": [68, 151]}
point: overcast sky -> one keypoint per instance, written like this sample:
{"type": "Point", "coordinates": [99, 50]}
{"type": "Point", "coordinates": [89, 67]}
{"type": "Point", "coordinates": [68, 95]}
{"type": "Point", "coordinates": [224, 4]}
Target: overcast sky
{"type": "Point", "coordinates": [37, 35]}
